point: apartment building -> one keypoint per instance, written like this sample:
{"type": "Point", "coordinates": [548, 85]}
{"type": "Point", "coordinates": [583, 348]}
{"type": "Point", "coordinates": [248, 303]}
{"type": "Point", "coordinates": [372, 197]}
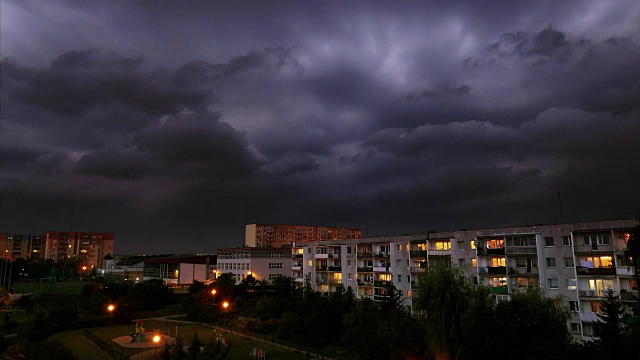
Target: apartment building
{"type": "Point", "coordinates": [89, 247]}
{"type": "Point", "coordinates": [577, 261]}
{"type": "Point", "coordinates": [279, 235]}
{"type": "Point", "coordinates": [14, 246]}
{"type": "Point", "coordinates": [263, 263]}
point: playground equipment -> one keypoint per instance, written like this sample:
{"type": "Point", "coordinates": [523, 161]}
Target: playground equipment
{"type": "Point", "coordinates": [138, 334]}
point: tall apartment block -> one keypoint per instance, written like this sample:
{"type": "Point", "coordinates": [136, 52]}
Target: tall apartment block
{"type": "Point", "coordinates": [577, 261]}
{"type": "Point", "coordinates": [14, 246]}
{"type": "Point", "coordinates": [89, 247]}
{"type": "Point", "coordinates": [278, 235]}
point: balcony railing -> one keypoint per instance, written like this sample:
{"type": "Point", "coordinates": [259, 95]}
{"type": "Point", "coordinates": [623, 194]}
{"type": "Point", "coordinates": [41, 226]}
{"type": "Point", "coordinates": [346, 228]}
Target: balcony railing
{"type": "Point", "coordinates": [523, 270]}
{"type": "Point", "coordinates": [365, 255]}
{"type": "Point", "coordinates": [321, 281]}
{"type": "Point", "coordinates": [591, 293]}
{"type": "Point", "coordinates": [365, 269]}
{"type": "Point", "coordinates": [626, 295]}
{"type": "Point", "coordinates": [604, 271]}
{"type": "Point", "coordinates": [381, 268]}
{"type": "Point", "coordinates": [496, 270]}
{"type": "Point", "coordinates": [439, 252]}
{"type": "Point", "coordinates": [416, 269]}
{"type": "Point", "coordinates": [298, 256]}
{"type": "Point", "coordinates": [321, 268]}
{"type": "Point", "coordinates": [381, 255]}
{"type": "Point", "coordinates": [502, 290]}
{"type": "Point", "coordinates": [498, 251]}
{"type": "Point", "coordinates": [335, 268]}
{"type": "Point", "coordinates": [334, 256]}
{"type": "Point", "coordinates": [296, 267]}
{"type": "Point", "coordinates": [418, 253]}
{"type": "Point", "coordinates": [365, 283]}
{"type": "Point", "coordinates": [521, 250]}
{"type": "Point", "coordinates": [380, 283]}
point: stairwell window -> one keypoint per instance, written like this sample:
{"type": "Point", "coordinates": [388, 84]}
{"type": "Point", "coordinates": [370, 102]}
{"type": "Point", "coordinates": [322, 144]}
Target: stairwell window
{"type": "Point", "coordinates": [568, 262]}
{"type": "Point", "coordinates": [566, 241]}
{"type": "Point", "coordinates": [571, 284]}
{"type": "Point", "coordinates": [551, 262]}
{"type": "Point", "coordinates": [553, 283]}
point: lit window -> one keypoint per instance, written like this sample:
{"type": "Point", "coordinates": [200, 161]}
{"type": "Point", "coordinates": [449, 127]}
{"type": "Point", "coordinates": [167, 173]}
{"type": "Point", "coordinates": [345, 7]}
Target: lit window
{"type": "Point", "coordinates": [474, 262]}
{"type": "Point", "coordinates": [571, 284]}
{"type": "Point", "coordinates": [473, 244]}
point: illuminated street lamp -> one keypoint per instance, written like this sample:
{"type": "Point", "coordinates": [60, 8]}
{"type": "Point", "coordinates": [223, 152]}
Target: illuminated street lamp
{"type": "Point", "coordinates": [156, 340]}
{"type": "Point", "coordinates": [213, 292]}
{"type": "Point", "coordinates": [110, 308]}
{"type": "Point", "coordinates": [225, 305]}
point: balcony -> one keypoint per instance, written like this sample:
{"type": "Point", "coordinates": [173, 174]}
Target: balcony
{"type": "Point", "coordinates": [602, 271]}
{"type": "Point", "coordinates": [590, 293]}
{"type": "Point", "coordinates": [335, 268]}
{"type": "Point", "coordinates": [380, 297]}
{"type": "Point", "coordinates": [322, 256]}
{"type": "Point", "coordinates": [298, 256]}
{"type": "Point", "coordinates": [365, 283]}
{"type": "Point", "coordinates": [521, 250]}
{"type": "Point", "coordinates": [381, 255]}
{"type": "Point", "coordinates": [415, 269]}
{"type": "Point", "coordinates": [334, 256]}
{"type": "Point", "coordinates": [439, 252]}
{"type": "Point", "coordinates": [381, 269]}
{"type": "Point", "coordinates": [502, 270]}
{"type": "Point", "coordinates": [594, 248]}
{"type": "Point", "coordinates": [418, 253]}
{"type": "Point", "coordinates": [626, 295]}
{"type": "Point", "coordinates": [379, 283]}
{"type": "Point", "coordinates": [296, 267]}
{"type": "Point", "coordinates": [365, 269]}
{"type": "Point", "coordinates": [299, 280]}
{"type": "Point", "coordinates": [498, 251]}
{"type": "Point", "coordinates": [321, 281]}
{"type": "Point", "coordinates": [321, 268]}
{"type": "Point", "coordinates": [523, 270]}
{"type": "Point", "coordinates": [335, 282]}
{"type": "Point", "coordinates": [365, 255]}
{"type": "Point", "coordinates": [501, 290]}
{"type": "Point", "coordinates": [625, 271]}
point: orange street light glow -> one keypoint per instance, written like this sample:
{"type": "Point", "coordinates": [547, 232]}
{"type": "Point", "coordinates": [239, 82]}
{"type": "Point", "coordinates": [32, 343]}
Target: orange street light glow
{"type": "Point", "coordinates": [110, 308]}
{"type": "Point", "coordinates": [156, 339]}
{"type": "Point", "coordinates": [225, 304]}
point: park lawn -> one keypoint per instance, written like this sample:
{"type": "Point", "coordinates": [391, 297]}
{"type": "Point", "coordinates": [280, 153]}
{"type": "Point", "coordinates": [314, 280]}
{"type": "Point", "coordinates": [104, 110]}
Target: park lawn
{"type": "Point", "coordinates": [80, 346]}
{"type": "Point", "coordinates": [240, 347]}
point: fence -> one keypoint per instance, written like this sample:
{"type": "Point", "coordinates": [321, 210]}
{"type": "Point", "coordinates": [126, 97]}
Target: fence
{"type": "Point", "coordinates": [314, 352]}
{"type": "Point", "coordinates": [105, 346]}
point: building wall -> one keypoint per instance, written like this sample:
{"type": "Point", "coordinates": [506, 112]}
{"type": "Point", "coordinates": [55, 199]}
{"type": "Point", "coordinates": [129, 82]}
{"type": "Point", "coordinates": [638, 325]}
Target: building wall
{"type": "Point", "coordinates": [279, 235]}
{"type": "Point", "coordinates": [261, 263]}
{"type": "Point", "coordinates": [554, 258]}
{"type": "Point", "coordinates": [89, 247]}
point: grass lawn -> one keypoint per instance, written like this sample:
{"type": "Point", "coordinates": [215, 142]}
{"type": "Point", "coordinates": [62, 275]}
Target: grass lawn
{"type": "Point", "coordinates": [42, 287]}
{"type": "Point", "coordinates": [80, 346]}
{"type": "Point", "coordinates": [240, 347]}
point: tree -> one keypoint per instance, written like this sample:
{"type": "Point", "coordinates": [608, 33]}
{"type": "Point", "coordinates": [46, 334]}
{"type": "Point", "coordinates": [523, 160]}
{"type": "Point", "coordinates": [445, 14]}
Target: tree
{"type": "Point", "coordinates": [610, 326]}
{"type": "Point", "coordinates": [363, 330]}
{"type": "Point", "coordinates": [443, 298]}
{"type": "Point", "coordinates": [39, 350]}
{"type": "Point", "coordinates": [194, 347]}
{"type": "Point", "coordinates": [539, 319]}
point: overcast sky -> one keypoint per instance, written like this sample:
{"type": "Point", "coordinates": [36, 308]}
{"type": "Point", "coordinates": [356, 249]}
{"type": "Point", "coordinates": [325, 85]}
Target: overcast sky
{"type": "Point", "coordinates": [173, 124]}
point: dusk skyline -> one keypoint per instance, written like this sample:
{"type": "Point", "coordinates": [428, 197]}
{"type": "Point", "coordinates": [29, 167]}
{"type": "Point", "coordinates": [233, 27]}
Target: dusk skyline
{"type": "Point", "coordinates": [174, 124]}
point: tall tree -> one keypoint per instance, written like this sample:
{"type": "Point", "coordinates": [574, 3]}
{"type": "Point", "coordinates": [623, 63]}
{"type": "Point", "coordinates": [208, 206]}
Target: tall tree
{"type": "Point", "coordinates": [611, 330]}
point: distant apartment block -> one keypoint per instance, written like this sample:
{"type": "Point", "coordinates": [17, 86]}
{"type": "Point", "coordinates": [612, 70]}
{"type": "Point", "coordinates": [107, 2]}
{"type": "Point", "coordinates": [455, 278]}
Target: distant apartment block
{"type": "Point", "coordinates": [14, 246]}
{"type": "Point", "coordinates": [577, 261]}
{"type": "Point", "coordinates": [260, 262]}
{"type": "Point", "coordinates": [278, 235]}
{"type": "Point", "coordinates": [89, 247]}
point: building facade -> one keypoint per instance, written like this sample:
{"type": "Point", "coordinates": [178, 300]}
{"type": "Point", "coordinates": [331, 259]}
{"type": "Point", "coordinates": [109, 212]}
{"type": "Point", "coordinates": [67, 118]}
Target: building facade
{"type": "Point", "coordinates": [260, 262]}
{"type": "Point", "coordinates": [278, 235]}
{"type": "Point", "coordinates": [26, 246]}
{"type": "Point", "coordinates": [577, 261]}
{"type": "Point", "coordinates": [89, 247]}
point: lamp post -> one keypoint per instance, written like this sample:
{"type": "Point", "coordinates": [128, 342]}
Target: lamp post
{"type": "Point", "coordinates": [225, 305]}
{"type": "Point", "coordinates": [156, 340]}
{"type": "Point", "coordinates": [110, 308]}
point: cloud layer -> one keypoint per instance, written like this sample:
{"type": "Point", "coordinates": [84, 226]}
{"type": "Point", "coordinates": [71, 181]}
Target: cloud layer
{"type": "Point", "coordinates": [174, 126]}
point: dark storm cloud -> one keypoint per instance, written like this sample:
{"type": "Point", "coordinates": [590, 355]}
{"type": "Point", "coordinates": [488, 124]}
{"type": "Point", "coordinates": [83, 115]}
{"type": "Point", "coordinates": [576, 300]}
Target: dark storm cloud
{"type": "Point", "coordinates": [175, 125]}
